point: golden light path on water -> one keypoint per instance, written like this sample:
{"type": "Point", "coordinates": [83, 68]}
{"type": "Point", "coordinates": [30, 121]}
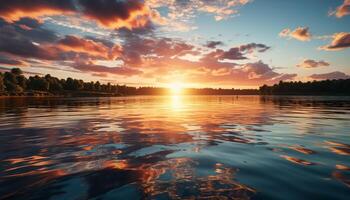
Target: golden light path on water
{"type": "Point", "coordinates": [172, 146]}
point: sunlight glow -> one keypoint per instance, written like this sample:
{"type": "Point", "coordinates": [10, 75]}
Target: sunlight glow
{"type": "Point", "coordinates": [176, 102]}
{"type": "Point", "coordinates": [176, 88]}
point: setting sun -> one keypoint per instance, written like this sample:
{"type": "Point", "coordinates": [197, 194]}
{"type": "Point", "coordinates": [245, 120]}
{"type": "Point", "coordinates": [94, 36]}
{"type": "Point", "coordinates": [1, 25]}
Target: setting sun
{"type": "Point", "coordinates": [176, 88]}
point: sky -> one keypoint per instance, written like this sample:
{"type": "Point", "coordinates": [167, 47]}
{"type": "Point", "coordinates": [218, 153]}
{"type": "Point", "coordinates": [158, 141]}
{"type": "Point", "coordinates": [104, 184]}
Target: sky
{"type": "Point", "coordinates": [195, 43]}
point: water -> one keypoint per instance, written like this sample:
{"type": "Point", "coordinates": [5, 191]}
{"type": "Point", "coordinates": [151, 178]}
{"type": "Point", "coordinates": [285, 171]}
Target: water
{"type": "Point", "coordinates": [177, 147]}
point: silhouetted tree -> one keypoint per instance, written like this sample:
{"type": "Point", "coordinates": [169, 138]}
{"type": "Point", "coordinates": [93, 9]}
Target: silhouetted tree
{"type": "Point", "coordinates": [38, 83]}
{"type": "Point", "coordinates": [325, 87]}
{"type": "Point", "coordinates": [11, 83]}
{"type": "Point", "coordinates": [2, 85]}
{"type": "Point", "coordinates": [16, 71]}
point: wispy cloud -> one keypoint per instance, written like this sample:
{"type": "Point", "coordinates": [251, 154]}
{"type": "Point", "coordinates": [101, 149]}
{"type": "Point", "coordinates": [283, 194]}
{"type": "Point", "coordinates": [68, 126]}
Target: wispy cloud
{"type": "Point", "coordinates": [309, 63]}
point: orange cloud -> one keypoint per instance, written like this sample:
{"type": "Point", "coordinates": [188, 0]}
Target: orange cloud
{"type": "Point", "coordinates": [14, 10]}
{"type": "Point", "coordinates": [110, 14]}
{"type": "Point", "coordinates": [342, 10]}
{"type": "Point", "coordinates": [300, 33]}
{"type": "Point", "coordinates": [340, 41]}
{"type": "Point", "coordinates": [76, 44]}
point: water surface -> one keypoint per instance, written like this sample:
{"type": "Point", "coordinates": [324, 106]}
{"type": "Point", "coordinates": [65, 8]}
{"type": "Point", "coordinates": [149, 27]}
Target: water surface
{"type": "Point", "coordinates": [176, 147]}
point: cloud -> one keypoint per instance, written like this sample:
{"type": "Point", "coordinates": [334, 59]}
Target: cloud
{"type": "Point", "coordinates": [180, 13]}
{"type": "Point", "coordinates": [187, 8]}
{"type": "Point", "coordinates": [300, 33]}
{"type": "Point", "coordinates": [19, 44]}
{"type": "Point", "coordinates": [342, 10]}
{"type": "Point", "coordinates": [259, 70]}
{"type": "Point", "coordinates": [331, 75]}
{"type": "Point", "coordinates": [284, 77]}
{"type": "Point", "coordinates": [36, 42]}
{"type": "Point", "coordinates": [253, 46]}
{"type": "Point", "coordinates": [248, 74]}
{"type": "Point", "coordinates": [309, 63]}
{"type": "Point", "coordinates": [107, 13]}
{"type": "Point", "coordinates": [30, 29]}
{"type": "Point", "coordinates": [138, 53]}
{"type": "Point", "coordinates": [236, 53]}
{"type": "Point", "coordinates": [340, 41]}
{"type": "Point", "coordinates": [89, 46]}
{"type": "Point", "coordinates": [117, 14]}
{"type": "Point", "coordinates": [101, 69]}
{"type": "Point", "coordinates": [161, 59]}
{"type": "Point", "coordinates": [232, 54]}
{"type": "Point", "coordinates": [213, 44]}
{"type": "Point", "coordinates": [4, 60]}
{"type": "Point", "coordinates": [16, 9]}
{"type": "Point", "coordinates": [136, 49]}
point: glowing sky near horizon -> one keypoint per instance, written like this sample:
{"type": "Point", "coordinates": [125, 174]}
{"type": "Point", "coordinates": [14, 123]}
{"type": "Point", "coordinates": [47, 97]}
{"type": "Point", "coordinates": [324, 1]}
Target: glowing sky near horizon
{"type": "Point", "coordinates": [198, 43]}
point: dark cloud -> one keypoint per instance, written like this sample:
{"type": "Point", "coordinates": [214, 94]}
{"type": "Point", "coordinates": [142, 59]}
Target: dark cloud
{"type": "Point", "coordinates": [16, 9]}
{"type": "Point", "coordinates": [233, 54]}
{"type": "Point", "coordinates": [213, 44]}
{"type": "Point", "coordinates": [331, 75]}
{"type": "Point", "coordinates": [107, 13]}
{"type": "Point", "coordinates": [259, 70]}
{"type": "Point", "coordinates": [254, 46]}
{"type": "Point", "coordinates": [309, 63]}
{"type": "Point", "coordinates": [34, 41]}
{"type": "Point", "coordinates": [340, 41]}
{"type": "Point", "coordinates": [236, 53]}
{"type": "Point", "coordinates": [30, 29]}
{"type": "Point", "coordinates": [101, 69]}
{"type": "Point", "coordinates": [29, 23]}
{"type": "Point", "coordinates": [16, 43]}
{"type": "Point", "coordinates": [111, 13]}
{"type": "Point", "coordinates": [4, 60]}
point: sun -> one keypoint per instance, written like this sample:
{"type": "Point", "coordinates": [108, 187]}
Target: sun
{"type": "Point", "coordinates": [176, 88]}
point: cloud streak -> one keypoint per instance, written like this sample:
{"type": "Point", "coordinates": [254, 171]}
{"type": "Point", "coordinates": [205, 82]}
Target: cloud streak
{"type": "Point", "coordinates": [331, 75]}
{"type": "Point", "coordinates": [309, 63]}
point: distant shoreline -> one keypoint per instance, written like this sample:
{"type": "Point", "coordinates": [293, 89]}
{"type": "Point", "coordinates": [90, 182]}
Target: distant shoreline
{"type": "Point", "coordinates": [14, 83]}
{"type": "Point", "coordinates": [135, 95]}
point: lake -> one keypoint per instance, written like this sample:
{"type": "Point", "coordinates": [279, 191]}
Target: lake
{"type": "Point", "coordinates": [175, 147]}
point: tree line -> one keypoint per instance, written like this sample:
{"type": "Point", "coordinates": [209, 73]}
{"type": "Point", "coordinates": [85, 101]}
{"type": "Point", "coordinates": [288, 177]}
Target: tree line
{"type": "Point", "coordinates": [14, 82]}
{"type": "Point", "coordinates": [324, 87]}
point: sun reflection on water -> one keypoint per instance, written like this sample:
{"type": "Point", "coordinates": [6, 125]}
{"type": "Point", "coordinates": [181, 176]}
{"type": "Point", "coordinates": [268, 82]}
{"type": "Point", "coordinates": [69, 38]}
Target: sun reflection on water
{"type": "Point", "coordinates": [177, 102]}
